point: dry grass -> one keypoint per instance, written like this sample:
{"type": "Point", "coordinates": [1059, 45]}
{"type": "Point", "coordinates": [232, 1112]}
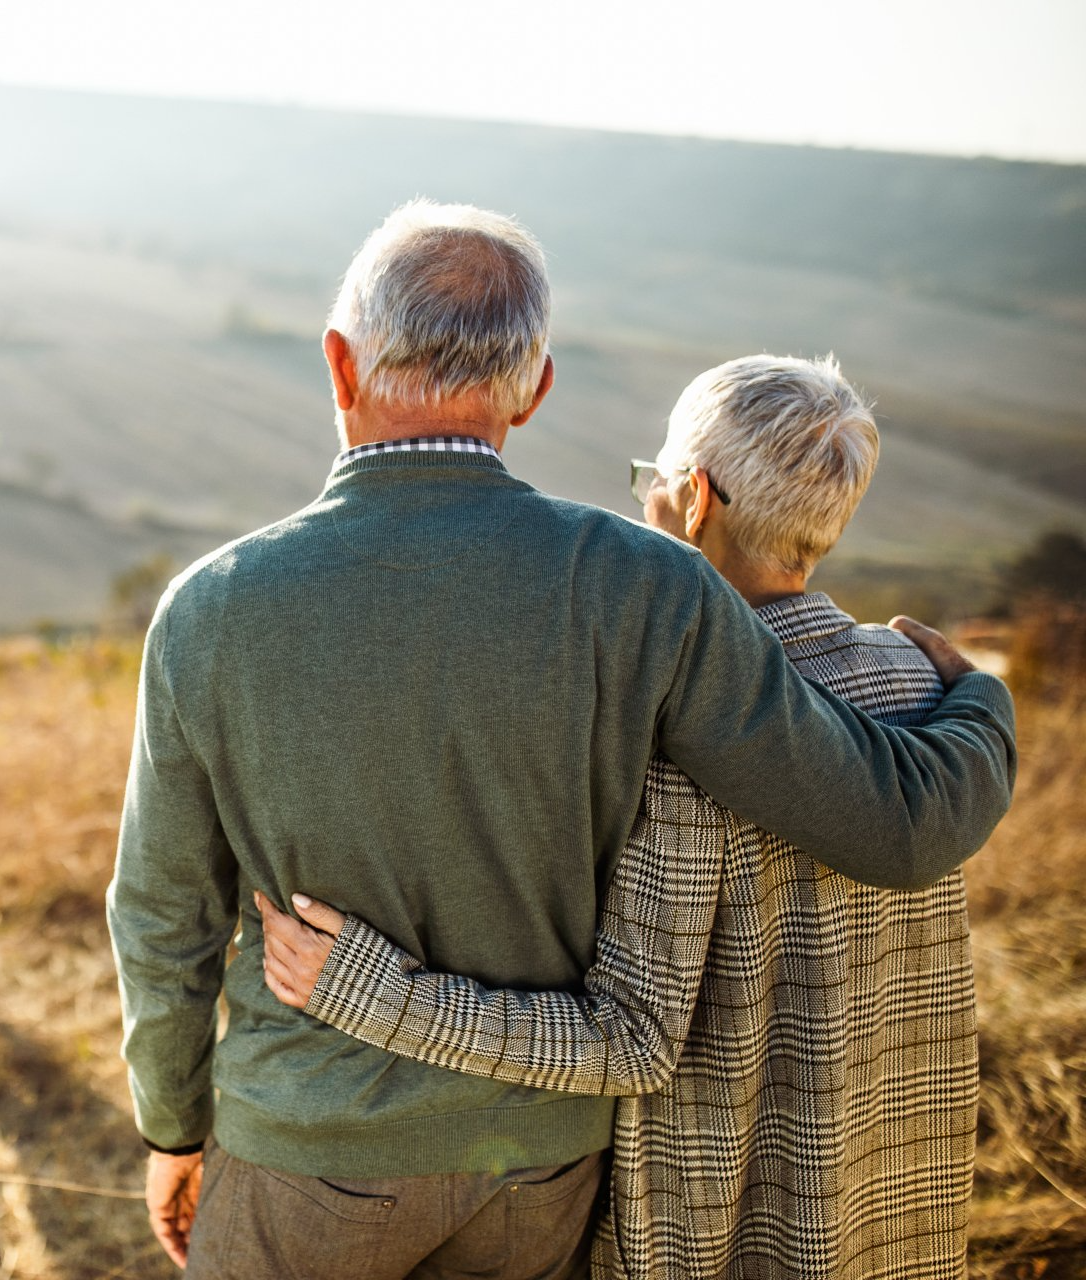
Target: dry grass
{"type": "Point", "coordinates": [1028, 912]}
{"type": "Point", "coordinates": [65, 729]}
{"type": "Point", "coordinates": [65, 732]}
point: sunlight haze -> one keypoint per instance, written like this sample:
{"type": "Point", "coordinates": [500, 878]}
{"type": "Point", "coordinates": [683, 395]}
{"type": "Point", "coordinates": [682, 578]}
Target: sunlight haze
{"type": "Point", "coordinates": [945, 76]}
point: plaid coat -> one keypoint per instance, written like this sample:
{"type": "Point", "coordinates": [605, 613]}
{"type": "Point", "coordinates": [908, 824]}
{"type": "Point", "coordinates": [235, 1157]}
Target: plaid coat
{"type": "Point", "coordinates": [809, 1043]}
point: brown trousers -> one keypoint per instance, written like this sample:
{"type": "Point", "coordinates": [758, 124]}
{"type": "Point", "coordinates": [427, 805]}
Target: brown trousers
{"type": "Point", "coordinates": [262, 1224]}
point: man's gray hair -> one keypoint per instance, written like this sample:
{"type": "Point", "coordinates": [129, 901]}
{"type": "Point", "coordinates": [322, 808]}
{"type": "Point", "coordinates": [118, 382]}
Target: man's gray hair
{"type": "Point", "coordinates": [443, 299]}
{"type": "Point", "coordinates": [789, 441]}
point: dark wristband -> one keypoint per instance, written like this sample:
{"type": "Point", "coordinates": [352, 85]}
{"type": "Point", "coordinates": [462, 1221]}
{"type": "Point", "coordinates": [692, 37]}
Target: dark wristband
{"type": "Point", "coordinates": [190, 1150]}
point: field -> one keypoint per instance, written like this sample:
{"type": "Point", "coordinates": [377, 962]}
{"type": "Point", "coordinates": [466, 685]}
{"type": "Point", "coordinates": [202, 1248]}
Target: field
{"type": "Point", "coordinates": [70, 1162]}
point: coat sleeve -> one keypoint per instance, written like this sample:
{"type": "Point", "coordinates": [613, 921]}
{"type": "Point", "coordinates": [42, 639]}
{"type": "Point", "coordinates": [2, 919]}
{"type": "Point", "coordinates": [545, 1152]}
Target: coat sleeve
{"type": "Point", "coordinates": [624, 1035]}
{"type": "Point", "coordinates": [172, 907]}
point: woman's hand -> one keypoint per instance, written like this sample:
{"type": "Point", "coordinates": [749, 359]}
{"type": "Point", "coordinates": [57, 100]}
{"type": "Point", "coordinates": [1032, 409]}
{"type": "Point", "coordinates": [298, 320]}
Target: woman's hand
{"type": "Point", "coordinates": [295, 952]}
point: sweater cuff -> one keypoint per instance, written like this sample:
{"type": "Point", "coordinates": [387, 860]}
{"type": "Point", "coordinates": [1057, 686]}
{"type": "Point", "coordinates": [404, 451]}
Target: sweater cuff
{"type": "Point", "coordinates": [189, 1150]}
{"type": "Point", "coordinates": [986, 689]}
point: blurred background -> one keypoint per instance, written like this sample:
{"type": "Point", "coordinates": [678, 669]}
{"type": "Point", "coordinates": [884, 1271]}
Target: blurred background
{"type": "Point", "coordinates": [181, 188]}
{"type": "Point", "coordinates": [168, 260]}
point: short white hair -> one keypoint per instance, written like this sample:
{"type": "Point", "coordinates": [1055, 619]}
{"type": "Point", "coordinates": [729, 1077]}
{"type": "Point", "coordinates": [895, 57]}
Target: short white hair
{"type": "Point", "coordinates": [443, 299]}
{"type": "Point", "coordinates": [790, 442]}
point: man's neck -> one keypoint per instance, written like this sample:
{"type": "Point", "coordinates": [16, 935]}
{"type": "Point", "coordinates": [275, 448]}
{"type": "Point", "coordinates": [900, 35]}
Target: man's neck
{"type": "Point", "coordinates": [463, 416]}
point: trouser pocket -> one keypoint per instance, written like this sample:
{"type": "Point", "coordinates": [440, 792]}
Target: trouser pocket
{"type": "Point", "coordinates": [264, 1224]}
{"type": "Point", "coordinates": [551, 1215]}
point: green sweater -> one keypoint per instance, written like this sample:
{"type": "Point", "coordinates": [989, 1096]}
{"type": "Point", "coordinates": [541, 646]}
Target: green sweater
{"type": "Point", "coordinates": [430, 698]}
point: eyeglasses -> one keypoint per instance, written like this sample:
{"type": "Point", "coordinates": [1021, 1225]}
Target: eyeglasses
{"type": "Point", "coordinates": [643, 475]}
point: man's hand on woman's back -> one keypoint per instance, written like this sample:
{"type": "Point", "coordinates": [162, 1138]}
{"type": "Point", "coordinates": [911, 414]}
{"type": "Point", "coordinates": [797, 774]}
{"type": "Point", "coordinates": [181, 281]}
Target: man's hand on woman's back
{"type": "Point", "coordinates": [942, 655]}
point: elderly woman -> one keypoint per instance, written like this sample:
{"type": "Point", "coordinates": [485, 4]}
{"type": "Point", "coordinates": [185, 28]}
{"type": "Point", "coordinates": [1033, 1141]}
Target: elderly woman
{"type": "Point", "coordinates": [796, 1052]}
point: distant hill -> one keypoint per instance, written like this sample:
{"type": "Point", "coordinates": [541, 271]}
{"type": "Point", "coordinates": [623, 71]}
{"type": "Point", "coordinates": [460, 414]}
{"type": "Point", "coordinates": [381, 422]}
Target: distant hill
{"type": "Point", "coordinates": [166, 268]}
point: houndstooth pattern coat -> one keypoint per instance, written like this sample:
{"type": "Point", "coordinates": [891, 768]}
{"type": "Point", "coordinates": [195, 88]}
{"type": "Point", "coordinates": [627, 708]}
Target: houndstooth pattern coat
{"type": "Point", "coordinates": [796, 1053]}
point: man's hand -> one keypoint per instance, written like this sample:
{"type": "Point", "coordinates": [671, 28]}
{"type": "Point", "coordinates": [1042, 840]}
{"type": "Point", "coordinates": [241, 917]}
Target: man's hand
{"type": "Point", "coordinates": [173, 1188]}
{"type": "Point", "coordinates": [294, 953]}
{"type": "Point", "coordinates": [936, 648]}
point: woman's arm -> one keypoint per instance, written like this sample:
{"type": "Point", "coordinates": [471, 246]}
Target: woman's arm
{"type": "Point", "coordinates": [624, 1035]}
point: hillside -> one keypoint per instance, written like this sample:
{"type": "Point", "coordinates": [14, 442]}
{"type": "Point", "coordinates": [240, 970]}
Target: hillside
{"type": "Point", "coordinates": [167, 267]}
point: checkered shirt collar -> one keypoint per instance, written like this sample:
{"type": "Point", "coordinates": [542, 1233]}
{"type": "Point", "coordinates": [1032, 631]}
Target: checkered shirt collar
{"type": "Point", "coordinates": [419, 444]}
{"type": "Point", "coordinates": [804, 617]}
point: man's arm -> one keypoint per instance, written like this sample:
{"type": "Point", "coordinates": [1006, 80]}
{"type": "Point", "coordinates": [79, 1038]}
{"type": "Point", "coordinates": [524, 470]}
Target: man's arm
{"type": "Point", "coordinates": [172, 909]}
{"type": "Point", "coordinates": [623, 1036]}
{"type": "Point", "coordinates": [893, 807]}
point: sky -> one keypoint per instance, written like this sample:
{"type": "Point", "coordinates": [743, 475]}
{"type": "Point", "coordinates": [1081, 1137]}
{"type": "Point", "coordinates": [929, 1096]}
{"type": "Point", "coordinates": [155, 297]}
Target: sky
{"type": "Point", "coordinates": [991, 77]}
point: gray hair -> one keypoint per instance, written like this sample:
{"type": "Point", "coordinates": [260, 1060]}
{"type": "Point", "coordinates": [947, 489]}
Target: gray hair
{"type": "Point", "coordinates": [791, 443]}
{"type": "Point", "coordinates": [443, 299]}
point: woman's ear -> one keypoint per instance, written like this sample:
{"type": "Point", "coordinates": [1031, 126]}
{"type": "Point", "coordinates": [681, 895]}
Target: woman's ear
{"type": "Point", "coordinates": [700, 497]}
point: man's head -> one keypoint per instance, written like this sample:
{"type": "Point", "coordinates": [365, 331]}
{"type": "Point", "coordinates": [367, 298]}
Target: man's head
{"type": "Point", "coordinates": [789, 442]}
{"type": "Point", "coordinates": [444, 301]}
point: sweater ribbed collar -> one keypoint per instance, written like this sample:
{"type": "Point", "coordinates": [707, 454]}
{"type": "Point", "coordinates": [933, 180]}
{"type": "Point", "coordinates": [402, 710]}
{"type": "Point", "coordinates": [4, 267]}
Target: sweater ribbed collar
{"type": "Point", "coordinates": [369, 458]}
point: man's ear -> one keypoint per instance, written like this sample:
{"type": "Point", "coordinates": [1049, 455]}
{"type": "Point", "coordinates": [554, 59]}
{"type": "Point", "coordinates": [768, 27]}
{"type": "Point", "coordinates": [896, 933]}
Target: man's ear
{"type": "Point", "coordinates": [341, 367]}
{"type": "Point", "coordinates": [700, 497]}
{"type": "Point", "coordinates": [546, 381]}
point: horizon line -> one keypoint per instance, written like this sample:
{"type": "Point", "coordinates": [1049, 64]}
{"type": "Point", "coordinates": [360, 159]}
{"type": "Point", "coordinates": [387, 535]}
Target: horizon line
{"type": "Point", "coordinates": [405, 113]}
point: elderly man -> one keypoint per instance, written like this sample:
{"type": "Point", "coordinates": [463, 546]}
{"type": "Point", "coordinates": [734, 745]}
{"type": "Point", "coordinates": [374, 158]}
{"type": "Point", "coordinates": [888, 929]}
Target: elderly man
{"type": "Point", "coordinates": [812, 1041]}
{"type": "Point", "coordinates": [433, 695]}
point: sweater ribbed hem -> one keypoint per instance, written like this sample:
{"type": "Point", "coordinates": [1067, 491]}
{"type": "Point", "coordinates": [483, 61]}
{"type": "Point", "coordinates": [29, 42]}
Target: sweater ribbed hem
{"type": "Point", "coordinates": [490, 1140]}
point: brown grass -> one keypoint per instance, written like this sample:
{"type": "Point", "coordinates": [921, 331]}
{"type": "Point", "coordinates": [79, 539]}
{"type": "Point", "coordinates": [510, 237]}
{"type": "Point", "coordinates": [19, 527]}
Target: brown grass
{"type": "Point", "coordinates": [1028, 912]}
{"type": "Point", "coordinates": [65, 731]}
